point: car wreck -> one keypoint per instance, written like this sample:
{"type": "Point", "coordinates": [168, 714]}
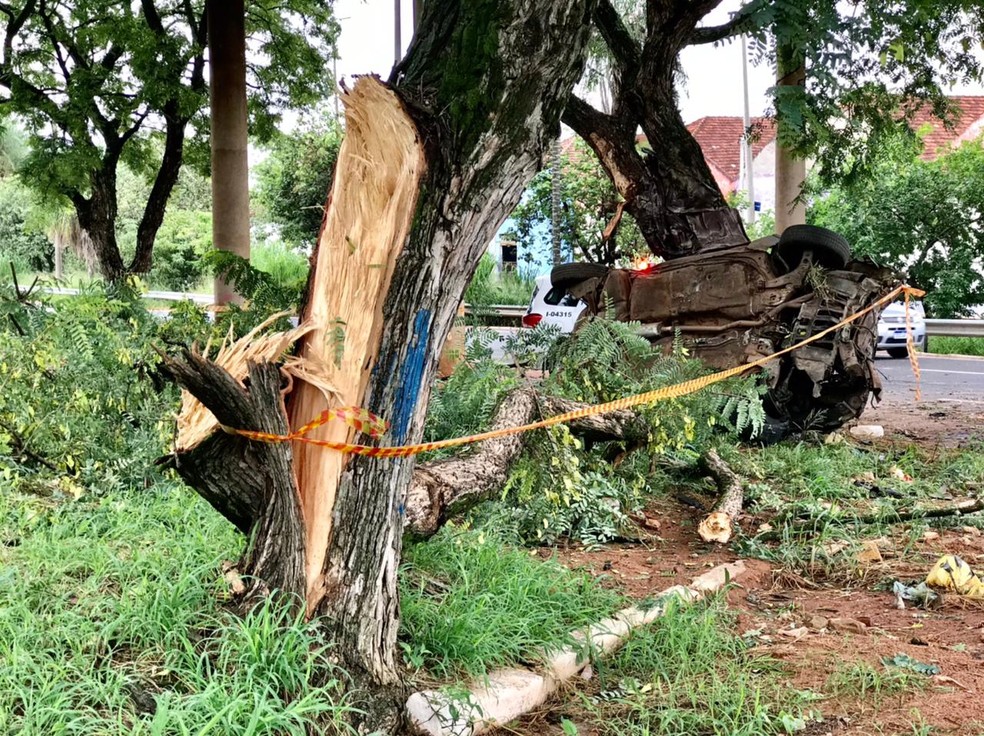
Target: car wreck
{"type": "Point", "coordinates": [734, 305]}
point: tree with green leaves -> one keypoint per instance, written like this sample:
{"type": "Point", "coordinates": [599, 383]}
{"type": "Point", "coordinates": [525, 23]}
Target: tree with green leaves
{"type": "Point", "coordinates": [592, 225]}
{"type": "Point", "coordinates": [99, 84]}
{"type": "Point", "coordinates": [293, 181]}
{"type": "Point", "coordinates": [922, 218]}
{"type": "Point", "coordinates": [864, 66]}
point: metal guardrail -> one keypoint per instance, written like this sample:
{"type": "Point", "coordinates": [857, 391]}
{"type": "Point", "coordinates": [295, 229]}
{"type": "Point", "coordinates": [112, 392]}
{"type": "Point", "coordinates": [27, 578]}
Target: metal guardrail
{"type": "Point", "coordinates": [500, 310]}
{"type": "Point", "coordinates": [166, 296]}
{"type": "Point", "coordinates": [955, 327]}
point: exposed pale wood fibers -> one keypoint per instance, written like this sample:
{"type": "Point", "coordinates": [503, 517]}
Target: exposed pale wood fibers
{"type": "Point", "coordinates": [369, 214]}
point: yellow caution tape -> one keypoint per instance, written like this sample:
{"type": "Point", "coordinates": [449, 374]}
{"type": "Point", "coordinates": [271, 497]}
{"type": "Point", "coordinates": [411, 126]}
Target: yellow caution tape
{"type": "Point", "coordinates": [361, 419]}
{"type": "Point", "coordinates": [952, 573]}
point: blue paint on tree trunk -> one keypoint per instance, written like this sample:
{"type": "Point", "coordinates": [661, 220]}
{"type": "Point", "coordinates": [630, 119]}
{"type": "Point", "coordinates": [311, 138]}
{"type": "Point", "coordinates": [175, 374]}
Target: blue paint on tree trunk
{"type": "Point", "coordinates": [411, 372]}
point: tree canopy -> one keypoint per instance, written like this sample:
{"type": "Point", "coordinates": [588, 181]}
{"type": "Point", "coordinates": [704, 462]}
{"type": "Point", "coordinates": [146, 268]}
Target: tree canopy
{"type": "Point", "coordinates": [98, 83]}
{"type": "Point", "coordinates": [865, 65]}
{"type": "Point", "coordinates": [922, 218]}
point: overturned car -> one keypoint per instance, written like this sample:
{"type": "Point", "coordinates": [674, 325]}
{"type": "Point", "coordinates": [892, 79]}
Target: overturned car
{"type": "Point", "coordinates": [742, 303]}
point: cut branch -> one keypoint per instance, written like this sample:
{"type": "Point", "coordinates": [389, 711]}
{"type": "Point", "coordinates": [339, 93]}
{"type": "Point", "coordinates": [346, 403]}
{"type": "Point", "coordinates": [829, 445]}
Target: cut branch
{"type": "Point", "coordinates": [961, 508]}
{"type": "Point", "coordinates": [719, 525]}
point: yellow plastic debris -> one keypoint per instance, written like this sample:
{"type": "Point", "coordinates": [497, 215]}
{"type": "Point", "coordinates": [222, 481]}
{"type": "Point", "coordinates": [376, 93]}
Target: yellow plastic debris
{"type": "Point", "coordinates": [952, 573]}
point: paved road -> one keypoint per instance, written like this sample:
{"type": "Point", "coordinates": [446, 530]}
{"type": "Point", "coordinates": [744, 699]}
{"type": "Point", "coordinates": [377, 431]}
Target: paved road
{"type": "Point", "coordinates": [956, 379]}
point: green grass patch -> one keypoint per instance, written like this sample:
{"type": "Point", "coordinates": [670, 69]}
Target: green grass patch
{"type": "Point", "coordinates": [690, 673]}
{"type": "Point", "coordinates": [872, 683]}
{"type": "Point", "coordinates": [471, 605]}
{"type": "Point", "coordinates": [957, 345]}
{"type": "Point", "coordinates": [109, 624]}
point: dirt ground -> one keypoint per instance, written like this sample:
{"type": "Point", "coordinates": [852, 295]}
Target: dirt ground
{"type": "Point", "coordinates": [815, 630]}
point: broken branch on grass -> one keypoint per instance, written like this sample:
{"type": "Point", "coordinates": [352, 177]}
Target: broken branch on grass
{"type": "Point", "coordinates": [442, 488]}
{"type": "Point", "coordinates": [719, 525]}
{"type": "Point", "coordinates": [961, 508]}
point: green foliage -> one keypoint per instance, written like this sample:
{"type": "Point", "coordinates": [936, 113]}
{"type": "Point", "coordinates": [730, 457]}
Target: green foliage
{"type": "Point", "coordinates": [183, 241]}
{"type": "Point", "coordinates": [869, 63]}
{"type": "Point", "coordinates": [109, 624]}
{"type": "Point", "coordinates": [100, 83]}
{"type": "Point", "coordinates": [465, 402]}
{"type": "Point", "coordinates": [488, 287]}
{"type": "Point", "coordinates": [588, 203]}
{"type": "Point", "coordinates": [263, 291]}
{"type": "Point", "coordinates": [957, 346]}
{"type": "Point", "coordinates": [76, 409]}
{"type": "Point", "coordinates": [922, 218]}
{"type": "Point", "coordinates": [20, 243]}
{"type": "Point", "coordinates": [470, 605]}
{"type": "Point", "coordinates": [560, 488]}
{"type": "Point", "coordinates": [293, 182]}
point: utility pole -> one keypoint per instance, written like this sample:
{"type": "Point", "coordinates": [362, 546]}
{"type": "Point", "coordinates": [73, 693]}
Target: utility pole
{"type": "Point", "coordinates": [747, 141]}
{"type": "Point", "coordinates": [790, 169]}
{"type": "Point", "coordinates": [398, 41]}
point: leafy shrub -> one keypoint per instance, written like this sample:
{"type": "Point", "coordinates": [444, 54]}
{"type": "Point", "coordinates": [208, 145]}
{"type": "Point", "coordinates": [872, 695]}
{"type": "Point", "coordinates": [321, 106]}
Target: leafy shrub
{"type": "Point", "coordinates": [488, 287]}
{"type": "Point", "coordinates": [21, 245]}
{"type": "Point", "coordinates": [287, 266]}
{"type": "Point", "coordinates": [182, 242]}
{"type": "Point", "coordinates": [76, 406]}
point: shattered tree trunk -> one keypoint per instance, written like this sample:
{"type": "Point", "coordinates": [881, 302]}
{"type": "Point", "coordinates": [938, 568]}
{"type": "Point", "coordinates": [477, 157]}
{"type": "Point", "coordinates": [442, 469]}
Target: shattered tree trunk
{"type": "Point", "coordinates": [429, 169]}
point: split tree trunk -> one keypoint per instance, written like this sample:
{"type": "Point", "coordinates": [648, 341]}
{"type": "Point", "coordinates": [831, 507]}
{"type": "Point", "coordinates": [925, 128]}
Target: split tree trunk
{"type": "Point", "coordinates": [429, 169]}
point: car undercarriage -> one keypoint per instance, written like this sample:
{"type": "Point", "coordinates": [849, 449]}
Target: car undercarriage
{"type": "Point", "coordinates": [735, 305]}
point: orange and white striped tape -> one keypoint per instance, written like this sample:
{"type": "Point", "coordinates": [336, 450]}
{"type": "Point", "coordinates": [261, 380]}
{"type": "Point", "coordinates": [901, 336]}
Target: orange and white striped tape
{"type": "Point", "coordinates": [365, 421]}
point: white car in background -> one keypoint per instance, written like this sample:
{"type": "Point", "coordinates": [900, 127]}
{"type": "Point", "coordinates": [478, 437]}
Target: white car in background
{"type": "Point", "coordinates": [892, 329]}
{"type": "Point", "coordinates": [551, 305]}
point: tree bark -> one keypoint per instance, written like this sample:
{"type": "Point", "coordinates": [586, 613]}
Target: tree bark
{"type": "Point", "coordinates": [160, 192]}
{"type": "Point", "coordinates": [230, 168]}
{"type": "Point", "coordinates": [429, 169]}
{"type": "Point", "coordinates": [668, 189]}
{"type": "Point", "coordinates": [97, 217]}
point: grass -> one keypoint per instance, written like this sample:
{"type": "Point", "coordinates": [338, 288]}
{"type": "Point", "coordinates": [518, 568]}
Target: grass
{"type": "Point", "coordinates": [108, 610]}
{"type": "Point", "coordinates": [690, 673]}
{"type": "Point", "coordinates": [957, 345]}
{"type": "Point", "coordinates": [470, 604]}
{"type": "Point", "coordinates": [863, 681]}
{"type": "Point", "coordinates": [831, 484]}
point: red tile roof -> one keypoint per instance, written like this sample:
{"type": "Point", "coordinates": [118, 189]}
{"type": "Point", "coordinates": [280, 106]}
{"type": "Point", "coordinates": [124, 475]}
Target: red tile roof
{"type": "Point", "coordinates": [969, 109]}
{"type": "Point", "coordinates": [720, 139]}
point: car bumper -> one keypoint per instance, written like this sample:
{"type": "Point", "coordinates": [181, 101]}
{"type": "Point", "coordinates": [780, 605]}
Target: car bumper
{"type": "Point", "coordinates": [893, 336]}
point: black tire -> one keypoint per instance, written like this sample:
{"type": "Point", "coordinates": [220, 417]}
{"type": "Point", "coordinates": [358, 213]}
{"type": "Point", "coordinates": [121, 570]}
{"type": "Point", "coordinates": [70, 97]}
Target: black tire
{"type": "Point", "coordinates": [829, 249]}
{"type": "Point", "coordinates": [568, 274]}
{"type": "Point", "coordinates": [898, 352]}
{"type": "Point", "coordinates": [773, 431]}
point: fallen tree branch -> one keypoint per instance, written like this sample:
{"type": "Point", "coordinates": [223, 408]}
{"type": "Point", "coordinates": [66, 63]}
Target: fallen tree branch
{"type": "Point", "coordinates": [504, 695]}
{"type": "Point", "coordinates": [442, 488]}
{"type": "Point", "coordinates": [718, 526]}
{"type": "Point", "coordinates": [961, 508]}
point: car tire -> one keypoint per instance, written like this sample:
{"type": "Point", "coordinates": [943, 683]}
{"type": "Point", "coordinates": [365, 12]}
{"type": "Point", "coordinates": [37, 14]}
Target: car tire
{"type": "Point", "coordinates": [773, 431]}
{"type": "Point", "coordinates": [568, 274]}
{"type": "Point", "coordinates": [898, 352]}
{"type": "Point", "coordinates": [829, 249]}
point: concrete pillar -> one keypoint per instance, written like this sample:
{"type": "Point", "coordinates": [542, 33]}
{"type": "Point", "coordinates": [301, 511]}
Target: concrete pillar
{"type": "Point", "coordinates": [790, 170]}
{"type": "Point", "coordinates": [230, 166]}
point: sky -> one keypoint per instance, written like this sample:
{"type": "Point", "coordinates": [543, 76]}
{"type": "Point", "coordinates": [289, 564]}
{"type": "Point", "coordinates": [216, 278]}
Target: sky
{"type": "Point", "coordinates": [713, 84]}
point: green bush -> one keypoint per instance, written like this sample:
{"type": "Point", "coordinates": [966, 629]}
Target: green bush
{"type": "Point", "coordinates": [81, 403]}
{"type": "Point", "coordinates": [21, 245]}
{"type": "Point", "coordinates": [182, 242]}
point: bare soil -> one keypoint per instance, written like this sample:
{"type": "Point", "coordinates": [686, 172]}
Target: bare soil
{"type": "Point", "coordinates": [816, 630]}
